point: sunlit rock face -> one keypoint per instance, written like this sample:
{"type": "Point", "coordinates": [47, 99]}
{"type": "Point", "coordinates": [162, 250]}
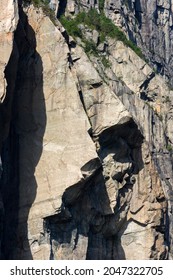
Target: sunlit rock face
{"type": "Point", "coordinates": [8, 23]}
{"type": "Point", "coordinates": [149, 24]}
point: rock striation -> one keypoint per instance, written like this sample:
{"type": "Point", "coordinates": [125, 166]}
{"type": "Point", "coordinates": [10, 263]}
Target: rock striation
{"type": "Point", "coordinates": [149, 24]}
{"type": "Point", "coordinates": [86, 149]}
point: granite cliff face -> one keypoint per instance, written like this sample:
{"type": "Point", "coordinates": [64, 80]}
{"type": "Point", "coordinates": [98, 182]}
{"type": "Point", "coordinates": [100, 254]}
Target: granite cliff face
{"type": "Point", "coordinates": [147, 23]}
{"type": "Point", "coordinates": [8, 23]}
{"type": "Point", "coordinates": [86, 150]}
{"type": "Point", "coordinates": [150, 25]}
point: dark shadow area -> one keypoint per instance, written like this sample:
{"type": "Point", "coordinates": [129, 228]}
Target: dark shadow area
{"type": "Point", "coordinates": [145, 84]}
{"type": "Point", "coordinates": [128, 131]}
{"type": "Point", "coordinates": [132, 35]}
{"type": "Point", "coordinates": [86, 212]}
{"type": "Point", "coordinates": [9, 154]}
{"type": "Point", "coordinates": [22, 149]}
{"type": "Point", "coordinates": [61, 8]}
{"type": "Point", "coordinates": [82, 218]}
{"type": "Point", "coordinates": [138, 12]}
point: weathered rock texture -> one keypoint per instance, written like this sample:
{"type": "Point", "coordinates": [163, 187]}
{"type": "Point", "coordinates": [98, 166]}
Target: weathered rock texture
{"type": "Point", "coordinates": [147, 23]}
{"type": "Point", "coordinates": [8, 23]}
{"type": "Point", "coordinates": [150, 25]}
{"type": "Point", "coordinates": [86, 152]}
{"type": "Point", "coordinates": [125, 155]}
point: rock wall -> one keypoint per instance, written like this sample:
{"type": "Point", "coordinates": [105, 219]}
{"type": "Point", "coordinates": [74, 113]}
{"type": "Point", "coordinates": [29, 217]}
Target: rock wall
{"type": "Point", "coordinates": [71, 7]}
{"type": "Point", "coordinates": [8, 23]}
{"type": "Point", "coordinates": [149, 24]}
{"type": "Point", "coordinates": [84, 149]}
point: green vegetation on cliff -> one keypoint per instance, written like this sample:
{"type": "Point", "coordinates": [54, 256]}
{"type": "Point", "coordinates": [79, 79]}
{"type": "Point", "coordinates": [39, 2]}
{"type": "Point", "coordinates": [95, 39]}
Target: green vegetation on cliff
{"type": "Point", "coordinates": [44, 4]}
{"type": "Point", "coordinates": [99, 22]}
{"type": "Point", "coordinates": [101, 5]}
{"type": "Point", "coordinates": [93, 20]}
